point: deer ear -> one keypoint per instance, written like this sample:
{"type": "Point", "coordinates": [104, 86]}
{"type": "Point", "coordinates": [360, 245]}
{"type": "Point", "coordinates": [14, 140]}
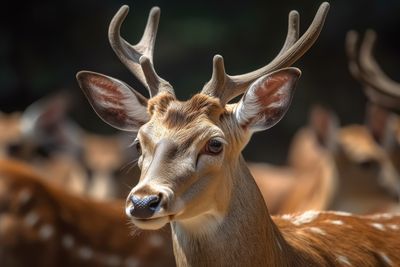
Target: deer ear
{"type": "Point", "coordinates": [267, 100]}
{"type": "Point", "coordinates": [115, 102]}
{"type": "Point", "coordinates": [46, 115]}
{"type": "Point", "coordinates": [382, 124]}
{"type": "Point", "coordinates": [324, 124]}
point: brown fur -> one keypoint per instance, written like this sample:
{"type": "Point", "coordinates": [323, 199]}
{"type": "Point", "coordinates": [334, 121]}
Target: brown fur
{"type": "Point", "coordinates": [236, 197]}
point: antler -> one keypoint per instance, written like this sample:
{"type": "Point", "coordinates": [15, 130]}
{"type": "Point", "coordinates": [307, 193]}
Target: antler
{"type": "Point", "coordinates": [226, 87]}
{"type": "Point", "coordinates": [379, 88]}
{"type": "Point", "coordinates": [139, 58]}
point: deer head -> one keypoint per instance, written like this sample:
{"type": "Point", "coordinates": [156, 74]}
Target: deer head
{"type": "Point", "coordinates": [366, 177]}
{"type": "Point", "coordinates": [382, 92]}
{"type": "Point", "coordinates": [191, 149]}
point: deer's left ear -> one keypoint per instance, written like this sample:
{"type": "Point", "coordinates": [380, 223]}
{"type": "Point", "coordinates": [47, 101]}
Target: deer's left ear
{"type": "Point", "coordinates": [267, 100]}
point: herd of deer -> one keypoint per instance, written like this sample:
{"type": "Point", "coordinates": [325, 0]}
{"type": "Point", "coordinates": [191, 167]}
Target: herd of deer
{"type": "Point", "coordinates": [64, 206]}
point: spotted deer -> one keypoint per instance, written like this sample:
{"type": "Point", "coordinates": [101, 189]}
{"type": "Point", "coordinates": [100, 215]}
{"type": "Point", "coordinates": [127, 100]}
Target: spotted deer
{"type": "Point", "coordinates": [365, 179]}
{"type": "Point", "coordinates": [44, 225]}
{"type": "Point", "coordinates": [81, 161]}
{"type": "Point", "coordinates": [309, 180]}
{"type": "Point", "coordinates": [382, 92]}
{"type": "Point", "coordinates": [194, 177]}
{"type": "Point", "coordinates": [330, 167]}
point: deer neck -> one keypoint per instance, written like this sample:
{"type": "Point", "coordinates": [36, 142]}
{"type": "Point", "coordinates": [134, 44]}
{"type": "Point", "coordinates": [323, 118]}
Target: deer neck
{"type": "Point", "coordinates": [245, 236]}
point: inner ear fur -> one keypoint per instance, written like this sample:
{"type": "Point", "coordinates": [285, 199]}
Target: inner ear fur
{"type": "Point", "coordinates": [114, 101]}
{"type": "Point", "coordinates": [267, 99]}
{"type": "Point", "coordinates": [324, 124]}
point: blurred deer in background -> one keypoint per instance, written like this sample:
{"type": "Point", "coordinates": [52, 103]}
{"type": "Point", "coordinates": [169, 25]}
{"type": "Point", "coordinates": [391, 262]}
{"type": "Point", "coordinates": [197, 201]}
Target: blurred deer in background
{"type": "Point", "coordinates": [382, 92]}
{"type": "Point", "coordinates": [43, 137]}
{"type": "Point", "coordinates": [80, 161]}
{"type": "Point", "coordinates": [367, 181]}
{"type": "Point", "coordinates": [194, 177]}
{"type": "Point", "coordinates": [309, 180]}
{"type": "Point", "coordinates": [330, 168]}
{"type": "Point", "coordinates": [43, 225]}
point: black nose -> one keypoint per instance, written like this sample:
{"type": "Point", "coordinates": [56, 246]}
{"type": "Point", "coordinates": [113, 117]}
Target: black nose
{"type": "Point", "coordinates": [145, 207]}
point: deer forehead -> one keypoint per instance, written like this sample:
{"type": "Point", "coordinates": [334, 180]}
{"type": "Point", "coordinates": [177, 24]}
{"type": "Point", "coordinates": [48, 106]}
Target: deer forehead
{"type": "Point", "coordinates": [358, 143]}
{"type": "Point", "coordinates": [172, 113]}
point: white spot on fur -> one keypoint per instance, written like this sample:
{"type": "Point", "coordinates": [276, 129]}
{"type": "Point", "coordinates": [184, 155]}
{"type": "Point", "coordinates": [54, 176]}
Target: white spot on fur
{"type": "Point", "coordinates": [85, 253]}
{"type": "Point", "coordinates": [67, 241]}
{"type": "Point", "coordinates": [317, 230]}
{"type": "Point", "coordinates": [336, 222]}
{"type": "Point", "coordinates": [305, 217]}
{"type": "Point", "coordinates": [287, 217]}
{"type": "Point", "coordinates": [343, 260]}
{"type": "Point", "coordinates": [131, 262]}
{"type": "Point", "coordinates": [156, 241]}
{"type": "Point", "coordinates": [341, 213]}
{"type": "Point", "coordinates": [386, 259]}
{"type": "Point", "coordinates": [378, 226]}
{"type": "Point", "coordinates": [393, 226]}
{"type": "Point", "coordinates": [46, 231]}
{"type": "Point", "coordinates": [31, 219]}
{"type": "Point", "coordinates": [386, 216]}
{"type": "Point", "coordinates": [113, 260]}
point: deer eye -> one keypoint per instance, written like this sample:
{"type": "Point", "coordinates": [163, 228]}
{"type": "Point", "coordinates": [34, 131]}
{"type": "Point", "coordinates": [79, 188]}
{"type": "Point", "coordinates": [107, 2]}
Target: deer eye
{"type": "Point", "coordinates": [213, 147]}
{"type": "Point", "coordinates": [368, 164]}
{"type": "Point", "coordinates": [138, 148]}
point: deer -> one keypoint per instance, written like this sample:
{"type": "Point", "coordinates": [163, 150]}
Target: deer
{"type": "Point", "coordinates": [194, 177]}
{"type": "Point", "coordinates": [366, 180]}
{"type": "Point", "coordinates": [381, 91]}
{"type": "Point", "coordinates": [42, 224]}
{"type": "Point", "coordinates": [309, 179]}
{"type": "Point", "coordinates": [339, 168]}
{"type": "Point", "coordinates": [330, 168]}
{"type": "Point", "coordinates": [81, 161]}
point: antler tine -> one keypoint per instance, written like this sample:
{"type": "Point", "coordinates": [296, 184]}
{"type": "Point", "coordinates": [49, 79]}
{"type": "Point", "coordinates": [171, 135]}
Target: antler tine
{"type": "Point", "coordinates": [351, 50]}
{"type": "Point", "coordinates": [377, 78]}
{"type": "Point", "coordinates": [293, 31]}
{"type": "Point", "coordinates": [219, 77]}
{"type": "Point", "coordinates": [139, 58]}
{"type": "Point", "coordinates": [226, 87]}
{"type": "Point", "coordinates": [379, 89]}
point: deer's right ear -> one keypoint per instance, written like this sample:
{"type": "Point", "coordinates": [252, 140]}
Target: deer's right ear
{"type": "Point", "coordinates": [115, 102]}
{"type": "Point", "coordinates": [325, 125]}
{"type": "Point", "coordinates": [267, 100]}
{"type": "Point", "coordinates": [383, 125]}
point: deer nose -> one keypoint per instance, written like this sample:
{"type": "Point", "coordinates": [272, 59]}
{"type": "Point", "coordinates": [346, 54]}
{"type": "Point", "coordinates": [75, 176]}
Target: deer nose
{"type": "Point", "coordinates": [143, 208]}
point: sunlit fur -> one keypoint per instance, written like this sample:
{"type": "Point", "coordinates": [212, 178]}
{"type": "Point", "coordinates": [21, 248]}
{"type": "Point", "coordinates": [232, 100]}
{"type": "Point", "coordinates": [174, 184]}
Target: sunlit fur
{"type": "Point", "coordinates": [187, 127]}
{"type": "Point", "coordinates": [213, 200]}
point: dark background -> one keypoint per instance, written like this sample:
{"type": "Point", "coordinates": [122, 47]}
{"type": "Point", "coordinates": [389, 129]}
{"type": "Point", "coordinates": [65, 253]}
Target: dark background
{"type": "Point", "coordinates": [44, 43]}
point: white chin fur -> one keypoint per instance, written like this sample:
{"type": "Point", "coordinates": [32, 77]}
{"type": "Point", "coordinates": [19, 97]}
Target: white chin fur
{"type": "Point", "coordinates": [151, 224]}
